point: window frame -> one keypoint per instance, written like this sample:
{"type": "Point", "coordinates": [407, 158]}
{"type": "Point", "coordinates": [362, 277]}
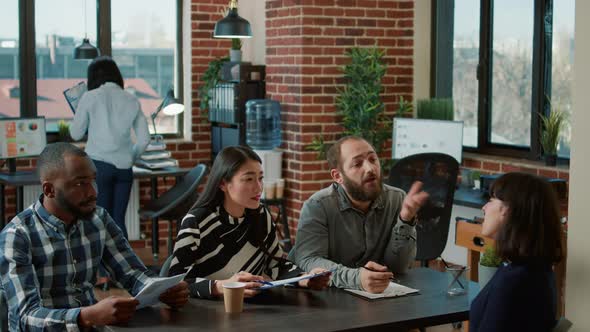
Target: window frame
{"type": "Point", "coordinates": [442, 64]}
{"type": "Point", "coordinates": [28, 61]}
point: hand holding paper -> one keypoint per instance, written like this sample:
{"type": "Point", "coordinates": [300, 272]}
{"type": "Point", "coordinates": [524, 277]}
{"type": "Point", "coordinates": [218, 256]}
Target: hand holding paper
{"type": "Point", "coordinates": [150, 293]}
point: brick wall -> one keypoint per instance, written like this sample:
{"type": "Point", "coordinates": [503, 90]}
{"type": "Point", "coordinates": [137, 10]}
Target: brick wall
{"type": "Point", "coordinates": [306, 41]}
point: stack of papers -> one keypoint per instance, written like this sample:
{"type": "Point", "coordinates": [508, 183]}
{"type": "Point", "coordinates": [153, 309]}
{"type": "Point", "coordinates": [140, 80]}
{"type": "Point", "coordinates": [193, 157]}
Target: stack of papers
{"type": "Point", "coordinates": [393, 290]}
{"type": "Point", "coordinates": [150, 293]}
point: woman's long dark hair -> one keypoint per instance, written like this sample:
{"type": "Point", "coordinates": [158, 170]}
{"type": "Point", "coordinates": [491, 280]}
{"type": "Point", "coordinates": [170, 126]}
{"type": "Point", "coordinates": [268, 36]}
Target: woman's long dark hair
{"type": "Point", "coordinates": [104, 69]}
{"type": "Point", "coordinates": [226, 165]}
{"type": "Point", "coordinates": [532, 232]}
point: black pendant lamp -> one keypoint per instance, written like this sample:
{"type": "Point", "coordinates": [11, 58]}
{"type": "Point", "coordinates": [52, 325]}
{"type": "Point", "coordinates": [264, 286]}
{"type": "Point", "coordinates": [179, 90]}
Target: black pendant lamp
{"type": "Point", "coordinates": [85, 51]}
{"type": "Point", "coordinates": [232, 26]}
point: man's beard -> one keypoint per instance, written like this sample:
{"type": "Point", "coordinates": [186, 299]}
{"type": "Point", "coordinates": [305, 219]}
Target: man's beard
{"type": "Point", "coordinates": [72, 208]}
{"type": "Point", "coordinates": [358, 193]}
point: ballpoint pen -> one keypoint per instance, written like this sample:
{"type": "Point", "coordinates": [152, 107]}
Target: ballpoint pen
{"type": "Point", "coordinates": [373, 270]}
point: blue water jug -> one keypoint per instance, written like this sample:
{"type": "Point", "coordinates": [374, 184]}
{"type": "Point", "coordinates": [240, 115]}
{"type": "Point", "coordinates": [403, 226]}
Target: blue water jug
{"type": "Point", "coordinates": [263, 124]}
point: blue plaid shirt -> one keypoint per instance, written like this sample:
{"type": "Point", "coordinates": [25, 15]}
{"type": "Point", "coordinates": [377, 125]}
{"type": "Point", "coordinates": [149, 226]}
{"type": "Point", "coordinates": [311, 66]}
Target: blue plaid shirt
{"type": "Point", "coordinates": [48, 271]}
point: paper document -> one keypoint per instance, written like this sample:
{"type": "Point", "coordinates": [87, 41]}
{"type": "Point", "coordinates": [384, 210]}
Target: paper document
{"type": "Point", "coordinates": [150, 293]}
{"type": "Point", "coordinates": [282, 282]}
{"type": "Point", "coordinates": [393, 290]}
{"type": "Point", "coordinates": [74, 94]}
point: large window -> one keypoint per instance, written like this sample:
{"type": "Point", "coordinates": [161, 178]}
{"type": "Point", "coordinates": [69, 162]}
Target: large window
{"type": "Point", "coordinates": [142, 36]}
{"type": "Point", "coordinates": [511, 60]}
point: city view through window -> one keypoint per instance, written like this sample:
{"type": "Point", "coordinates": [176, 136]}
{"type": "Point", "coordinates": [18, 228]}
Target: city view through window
{"type": "Point", "coordinates": [143, 43]}
{"type": "Point", "coordinates": [511, 80]}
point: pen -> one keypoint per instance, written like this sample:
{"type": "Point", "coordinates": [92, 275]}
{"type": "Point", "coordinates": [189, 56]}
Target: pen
{"type": "Point", "coordinates": [373, 270]}
{"type": "Point", "coordinates": [264, 282]}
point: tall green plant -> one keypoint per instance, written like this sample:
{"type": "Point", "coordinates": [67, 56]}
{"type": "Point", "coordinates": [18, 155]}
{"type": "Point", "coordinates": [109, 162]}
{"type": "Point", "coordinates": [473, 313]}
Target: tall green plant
{"type": "Point", "coordinates": [435, 109]}
{"type": "Point", "coordinates": [359, 101]}
{"type": "Point", "coordinates": [551, 126]}
{"type": "Point", "coordinates": [210, 78]}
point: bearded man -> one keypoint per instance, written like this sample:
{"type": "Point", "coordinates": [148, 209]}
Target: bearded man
{"type": "Point", "coordinates": [360, 227]}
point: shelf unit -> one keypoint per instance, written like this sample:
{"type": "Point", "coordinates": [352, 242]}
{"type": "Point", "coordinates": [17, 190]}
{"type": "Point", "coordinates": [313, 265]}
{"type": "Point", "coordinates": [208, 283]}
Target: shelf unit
{"type": "Point", "coordinates": [227, 106]}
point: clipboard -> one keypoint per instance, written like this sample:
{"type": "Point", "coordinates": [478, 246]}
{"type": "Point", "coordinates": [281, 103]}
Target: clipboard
{"type": "Point", "coordinates": [74, 94]}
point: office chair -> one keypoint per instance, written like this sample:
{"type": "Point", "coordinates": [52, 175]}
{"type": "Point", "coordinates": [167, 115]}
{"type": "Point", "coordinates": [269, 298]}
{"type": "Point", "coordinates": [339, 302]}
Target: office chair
{"type": "Point", "coordinates": [175, 203]}
{"type": "Point", "coordinates": [166, 266]}
{"type": "Point", "coordinates": [438, 172]}
{"type": "Point", "coordinates": [3, 311]}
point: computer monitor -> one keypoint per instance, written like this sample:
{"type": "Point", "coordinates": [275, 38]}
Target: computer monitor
{"type": "Point", "coordinates": [413, 136]}
{"type": "Point", "coordinates": [22, 137]}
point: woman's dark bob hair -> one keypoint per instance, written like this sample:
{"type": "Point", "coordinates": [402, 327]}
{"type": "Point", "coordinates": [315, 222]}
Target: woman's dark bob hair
{"type": "Point", "coordinates": [532, 232]}
{"type": "Point", "coordinates": [104, 69]}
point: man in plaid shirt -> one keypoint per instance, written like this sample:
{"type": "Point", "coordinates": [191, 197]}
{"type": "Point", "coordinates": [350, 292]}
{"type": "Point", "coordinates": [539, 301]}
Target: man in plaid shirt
{"type": "Point", "coordinates": [50, 253]}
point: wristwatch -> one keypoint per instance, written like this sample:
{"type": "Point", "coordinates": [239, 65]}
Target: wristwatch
{"type": "Point", "coordinates": [411, 222]}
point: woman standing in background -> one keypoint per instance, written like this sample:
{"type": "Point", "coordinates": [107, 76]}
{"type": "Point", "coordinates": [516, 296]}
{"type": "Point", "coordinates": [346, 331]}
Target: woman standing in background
{"type": "Point", "coordinates": [109, 114]}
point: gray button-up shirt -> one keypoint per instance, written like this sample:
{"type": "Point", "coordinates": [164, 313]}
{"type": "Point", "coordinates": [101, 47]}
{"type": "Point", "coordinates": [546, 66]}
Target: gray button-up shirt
{"type": "Point", "coordinates": [333, 234]}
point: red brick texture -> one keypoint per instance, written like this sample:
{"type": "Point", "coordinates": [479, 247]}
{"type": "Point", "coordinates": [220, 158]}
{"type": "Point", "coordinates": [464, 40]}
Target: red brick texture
{"type": "Point", "coordinates": [306, 44]}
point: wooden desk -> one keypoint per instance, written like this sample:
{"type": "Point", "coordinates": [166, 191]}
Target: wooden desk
{"type": "Point", "coordinates": [468, 235]}
{"type": "Point", "coordinates": [290, 309]}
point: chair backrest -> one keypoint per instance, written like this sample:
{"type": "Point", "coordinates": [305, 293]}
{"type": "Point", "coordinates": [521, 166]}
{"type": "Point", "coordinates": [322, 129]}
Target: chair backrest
{"type": "Point", "coordinates": [176, 201]}
{"type": "Point", "coordinates": [438, 172]}
{"type": "Point", "coordinates": [3, 311]}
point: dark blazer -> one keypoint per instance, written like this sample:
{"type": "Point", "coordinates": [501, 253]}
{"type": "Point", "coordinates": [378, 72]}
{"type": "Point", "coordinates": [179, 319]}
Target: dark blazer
{"type": "Point", "coordinates": [519, 297]}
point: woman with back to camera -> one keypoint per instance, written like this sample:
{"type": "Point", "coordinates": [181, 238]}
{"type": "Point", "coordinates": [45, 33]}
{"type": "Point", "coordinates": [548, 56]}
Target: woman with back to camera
{"type": "Point", "coordinates": [109, 114]}
{"type": "Point", "coordinates": [522, 216]}
{"type": "Point", "coordinates": [228, 236]}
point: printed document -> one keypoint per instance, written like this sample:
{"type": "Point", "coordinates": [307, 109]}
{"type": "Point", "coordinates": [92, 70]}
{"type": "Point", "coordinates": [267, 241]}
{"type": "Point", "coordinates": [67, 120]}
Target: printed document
{"type": "Point", "coordinates": [150, 293]}
{"type": "Point", "coordinates": [393, 290]}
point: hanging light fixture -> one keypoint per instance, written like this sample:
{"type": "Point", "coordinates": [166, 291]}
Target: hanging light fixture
{"type": "Point", "coordinates": [86, 51]}
{"type": "Point", "coordinates": [232, 26]}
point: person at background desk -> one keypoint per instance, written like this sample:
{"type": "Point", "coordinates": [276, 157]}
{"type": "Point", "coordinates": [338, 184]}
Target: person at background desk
{"type": "Point", "coordinates": [50, 252]}
{"type": "Point", "coordinates": [359, 225]}
{"type": "Point", "coordinates": [109, 114]}
{"type": "Point", "coordinates": [522, 216]}
{"type": "Point", "coordinates": [229, 236]}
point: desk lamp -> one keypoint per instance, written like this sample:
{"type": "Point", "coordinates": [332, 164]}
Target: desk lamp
{"type": "Point", "coordinates": [170, 106]}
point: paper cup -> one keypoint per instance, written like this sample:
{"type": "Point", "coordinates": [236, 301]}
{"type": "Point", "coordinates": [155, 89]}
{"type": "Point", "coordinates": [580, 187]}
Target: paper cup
{"type": "Point", "coordinates": [269, 189]}
{"type": "Point", "coordinates": [233, 296]}
{"type": "Point", "coordinates": [280, 190]}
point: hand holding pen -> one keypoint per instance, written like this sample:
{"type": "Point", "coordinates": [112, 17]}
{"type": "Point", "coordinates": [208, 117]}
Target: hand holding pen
{"type": "Point", "coordinates": [375, 277]}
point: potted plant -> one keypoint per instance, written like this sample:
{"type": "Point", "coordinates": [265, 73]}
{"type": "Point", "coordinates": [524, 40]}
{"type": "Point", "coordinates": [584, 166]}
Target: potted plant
{"type": "Point", "coordinates": [475, 178]}
{"type": "Point", "coordinates": [210, 78]}
{"type": "Point", "coordinates": [404, 108]}
{"type": "Point", "coordinates": [63, 131]}
{"type": "Point", "coordinates": [435, 108]}
{"type": "Point", "coordinates": [488, 264]}
{"type": "Point", "coordinates": [235, 53]}
{"type": "Point", "coordinates": [359, 102]}
{"type": "Point", "coordinates": [551, 126]}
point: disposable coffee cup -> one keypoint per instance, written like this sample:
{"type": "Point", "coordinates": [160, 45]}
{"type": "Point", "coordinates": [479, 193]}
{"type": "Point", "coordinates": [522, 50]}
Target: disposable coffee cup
{"type": "Point", "coordinates": [269, 189]}
{"type": "Point", "coordinates": [233, 296]}
{"type": "Point", "coordinates": [280, 190]}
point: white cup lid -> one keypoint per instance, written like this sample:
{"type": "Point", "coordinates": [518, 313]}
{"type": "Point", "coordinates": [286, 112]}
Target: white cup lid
{"type": "Point", "coordinates": [234, 284]}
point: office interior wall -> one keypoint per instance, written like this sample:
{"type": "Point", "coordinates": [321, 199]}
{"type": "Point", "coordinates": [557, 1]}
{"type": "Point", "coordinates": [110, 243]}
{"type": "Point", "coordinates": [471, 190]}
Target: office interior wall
{"type": "Point", "coordinates": [422, 51]}
{"type": "Point", "coordinates": [578, 264]}
{"type": "Point", "coordinates": [254, 49]}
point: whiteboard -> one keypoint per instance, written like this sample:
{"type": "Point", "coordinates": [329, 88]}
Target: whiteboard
{"type": "Point", "coordinates": [413, 136]}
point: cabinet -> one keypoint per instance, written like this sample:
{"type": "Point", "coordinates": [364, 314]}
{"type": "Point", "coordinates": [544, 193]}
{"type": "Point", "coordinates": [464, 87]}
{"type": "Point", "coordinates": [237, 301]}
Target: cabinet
{"type": "Point", "coordinates": [239, 83]}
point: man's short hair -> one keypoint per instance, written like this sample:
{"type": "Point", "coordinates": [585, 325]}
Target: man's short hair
{"type": "Point", "coordinates": [52, 157]}
{"type": "Point", "coordinates": [334, 152]}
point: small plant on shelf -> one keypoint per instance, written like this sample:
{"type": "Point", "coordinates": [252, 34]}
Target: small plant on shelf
{"type": "Point", "coordinates": [490, 258]}
{"type": "Point", "coordinates": [210, 79]}
{"type": "Point", "coordinates": [551, 127]}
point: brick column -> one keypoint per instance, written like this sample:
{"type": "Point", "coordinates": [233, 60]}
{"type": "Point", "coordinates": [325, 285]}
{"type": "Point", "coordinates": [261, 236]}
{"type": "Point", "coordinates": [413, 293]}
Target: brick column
{"type": "Point", "coordinates": [306, 41]}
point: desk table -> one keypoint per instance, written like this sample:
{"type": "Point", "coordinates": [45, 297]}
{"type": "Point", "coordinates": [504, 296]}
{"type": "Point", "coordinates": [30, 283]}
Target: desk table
{"type": "Point", "coordinates": [296, 309]}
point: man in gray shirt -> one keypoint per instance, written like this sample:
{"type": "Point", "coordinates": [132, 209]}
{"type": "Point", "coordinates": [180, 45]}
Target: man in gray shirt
{"type": "Point", "coordinates": [360, 226]}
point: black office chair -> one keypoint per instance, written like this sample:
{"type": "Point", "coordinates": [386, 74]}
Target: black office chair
{"type": "Point", "coordinates": [438, 172]}
{"type": "Point", "coordinates": [175, 203]}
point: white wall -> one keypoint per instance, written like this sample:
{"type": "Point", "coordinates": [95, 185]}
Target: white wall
{"type": "Point", "coordinates": [254, 49]}
{"type": "Point", "coordinates": [422, 26]}
{"type": "Point", "coordinates": [577, 303]}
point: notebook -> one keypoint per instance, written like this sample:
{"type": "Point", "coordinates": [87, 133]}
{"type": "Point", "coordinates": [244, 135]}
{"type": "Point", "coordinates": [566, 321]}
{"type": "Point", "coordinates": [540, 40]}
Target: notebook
{"type": "Point", "coordinates": [393, 290]}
